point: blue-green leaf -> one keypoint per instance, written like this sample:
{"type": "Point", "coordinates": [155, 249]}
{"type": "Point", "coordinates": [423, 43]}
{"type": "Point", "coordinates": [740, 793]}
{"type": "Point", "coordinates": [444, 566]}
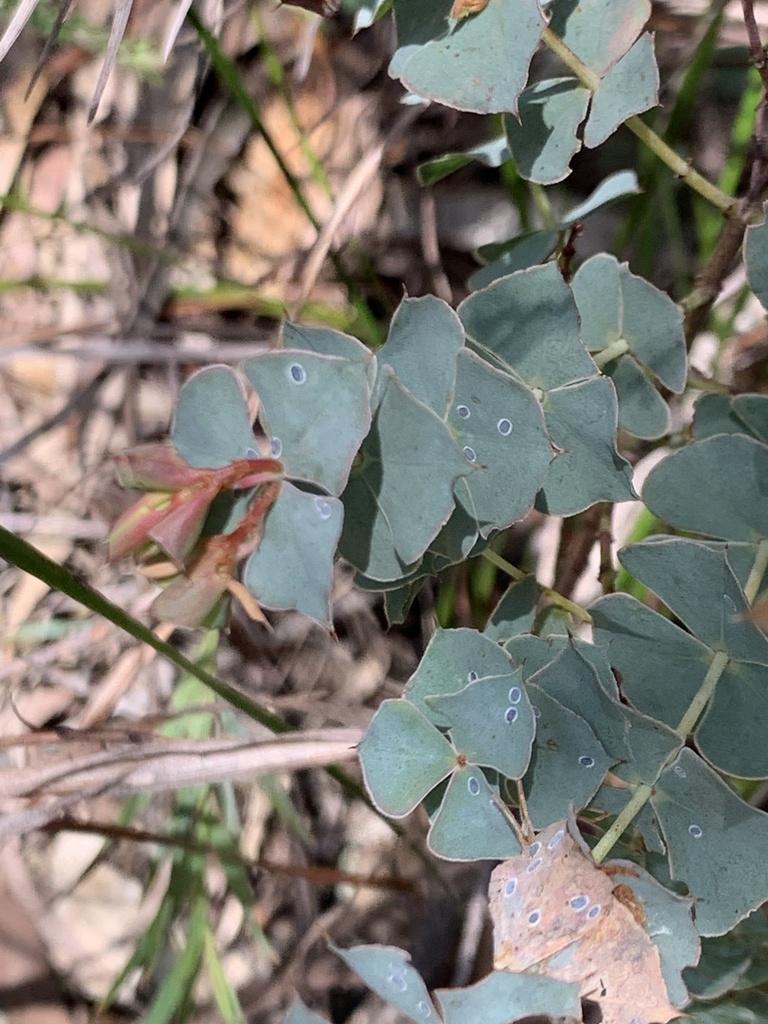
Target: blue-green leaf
{"type": "Point", "coordinates": [568, 763]}
{"type": "Point", "coordinates": [403, 757]}
{"type": "Point", "coordinates": [482, 65]}
{"type": "Point", "coordinates": [696, 582]}
{"type": "Point", "coordinates": [532, 653]}
{"type": "Point", "coordinates": [716, 414]}
{"type": "Point", "coordinates": [599, 33]}
{"type": "Point", "coordinates": [493, 153]}
{"type": "Point", "coordinates": [490, 722]}
{"type": "Point", "coordinates": [388, 971]}
{"type": "Point", "coordinates": [582, 420]}
{"type": "Point", "coordinates": [315, 410]}
{"type": "Point", "coordinates": [400, 492]}
{"type": "Point", "coordinates": [642, 410]}
{"type": "Point", "coordinates": [211, 425]}
{"type": "Point", "coordinates": [753, 410]}
{"type": "Point", "coordinates": [425, 337]}
{"type": "Point", "coordinates": [502, 997]}
{"type": "Point", "coordinates": [616, 186]}
{"type": "Point", "coordinates": [638, 745]}
{"type": "Point", "coordinates": [499, 426]}
{"type": "Point", "coordinates": [299, 1014]}
{"type": "Point", "coordinates": [528, 324]}
{"type": "Point", "coordinates": [725, 959]}
{"type": "Point", "coordinates": [453, 658]}
{"type": "Point", "coordinates": [515, 611]}
{"type": "Point", "coordinates": [325, 341]}
{"type": "Point", "coordinates": [469, 824]}
{"type": "Point", "coordinates": [661, 667]}
{"type": "Point", "coordinates": [756, 257]}
{"type": "Point", "coordinates": [615, 304]}
{"type": "Point", "coordinates": [716, 487]}
{"type": "Point", "coordinates": [716, 843]}
{"type": "Point", "coordinates": [292, 567]}
{"type": "Point", "coordinates": [630, 87]}
{"type": "Point", "coordinates": [544, 139]}
{"type": "Point", "coordinates": [519, 253]}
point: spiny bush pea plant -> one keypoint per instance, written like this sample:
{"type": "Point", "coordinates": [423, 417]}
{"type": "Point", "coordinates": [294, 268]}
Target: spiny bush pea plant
{"type": "Point", "coordinates": [526, 744]}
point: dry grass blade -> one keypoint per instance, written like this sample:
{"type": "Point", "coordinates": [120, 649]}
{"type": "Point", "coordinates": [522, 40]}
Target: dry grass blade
{"type": "Point", "coordinates": [21, 16]}
{"type": "Point", "coordinates": [116, 32]}
{"type": "Point", "coordinates": [170, 764]}
{"type": "Point", "coordinates": [50, 42]}
{"type": "Point", "coordinates": [175, 27]}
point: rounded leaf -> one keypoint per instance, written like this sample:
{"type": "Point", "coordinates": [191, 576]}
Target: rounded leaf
{"type": "Point", "coordinates": [292, 567]}
{"type": "Point", "coordinates": [403, 757]}
{"type": "Point", "coordinates": [469, 824]}
{"type": "Point", "coordinates": [491, 723]}
{"type": "Point", "coordinates": [211, 425]}
{"type": "Point", "coordinates": [718, 487]}
{"type": "Point", "coordinates": [315, 410]}
{"type": "Point", "coordinates": [388, 971]}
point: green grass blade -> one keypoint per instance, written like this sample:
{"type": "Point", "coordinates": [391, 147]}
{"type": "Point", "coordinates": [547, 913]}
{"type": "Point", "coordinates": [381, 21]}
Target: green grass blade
{"type": "Point", "coordinates": [27, 558]}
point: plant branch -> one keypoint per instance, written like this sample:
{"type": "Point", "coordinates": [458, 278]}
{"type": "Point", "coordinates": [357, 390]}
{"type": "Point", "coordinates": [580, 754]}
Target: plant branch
{"type": "Point", "coordinates": [639, 799]}
{"type": "Point", "coordinates": [643, 793]}
{"type": "Point", "coordinates": [757, 572]}
{"type": "Point", "coordinates": [709, 281]}
{"type": "Point", "coordinates": [688, 722]}
{"type": "Point", "coordinates": [548, 592]}
{"type": "Point", "coordinates": [703, 694]}
{"type": "Point", "coordinates": [647, 135]}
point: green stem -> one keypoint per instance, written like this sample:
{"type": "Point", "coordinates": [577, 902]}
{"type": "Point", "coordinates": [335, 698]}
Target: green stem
{"type": "Point", "coordinates": [646, 135]}
{"type": "Point", "coordinates": [757, 572]}
{"type": "Point", "coordinates": [610, 352]}
{"type": "Point", "coordinates": [612, 836]}
{"type": "Point", "coordinates": [501, 563]}
{"type": "Point", "coordinates": [643, 793]}
{"type": "Point", "coordinates": [550, 594]}
{"type": "Point", "coordinates": [690, 718]}
{"type": "Point", "coordinates": [705, 691]}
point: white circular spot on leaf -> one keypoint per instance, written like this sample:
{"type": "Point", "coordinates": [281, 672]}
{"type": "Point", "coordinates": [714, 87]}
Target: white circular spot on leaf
{"type": "Point", "coordinates": [463, 412]}
{"type": "Point", "coordinates": [472, 676]}
{"type": "Point", "coordinates": [510, 715]}
{"type": "Point", "coordinates": [275, 447]}
{"type": "Point", "coordinates": [296, 373]}
{"type": "Point", "coordinates": [324, 510]}
{"type": "Point", "coordinates": [534, 849]}
{"type": "Point", "coordinates": [586, 761]}
{"type": "Point", "coordinates": [504, 427]}
{"type": "Point", "coordinates": [578, 902]}
{"type": "Point", "coordinates": [509, 888]}
{"type": "Point", "coordinates": [534, 866]}
{"type": "Point", "coordinates": [695, 831]}
{"type": "Point", "coordinates": [556, 839]}
{"type": "Point", "coordinates": [469, 453]}
{"type": "Point", "coordinates": [423, 1008]}
{"type": "Point", "coordinates": [515, 695]}
{"type": "Point", "coordinates": [680, 771]}
{"type": "Point", "coordinates": [534, 917]}
{"type": "Point", "coordinates": [473, 785]}
{"type": "Point", "coordinates": [398, 982]}
{"type": "Point", "coordinates": [593, 911]}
